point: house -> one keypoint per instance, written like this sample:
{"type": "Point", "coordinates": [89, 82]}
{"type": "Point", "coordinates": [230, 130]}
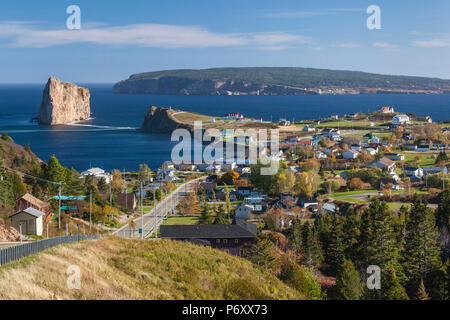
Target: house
{"type": "Point", "coordinates": [230, 238]}
{"type": "Point", "coordinates": [233, 116]}
{"type": "Point", "coordinates": [383, 163]}
{"type": "Point", "coordinates": [433, 170]}
{"type": "Point", "coordinates": [395, 156]}
{"type": "Point", "coordinates": [308, 128]}
{"type": "Point", "coordinates": [243, 211]}
{"type": "Point", "coordinates": [245, 190]}
{"type": "Point", "coordinates": [334, 136]}
{"type": "Point", "coordinates": [30, 219]}
{"type": "Point", "coordinates": [410, 147]}
{"type": "Point", "coordinates": [386, 181]}
{"type": "Point", "coordinates": [320, 155]}
{"type": "Point", "coordinates": [27, 201]}
{"type": "Point", "coordinates": [187, 167]}
{"type": "Point", "coordinates": [97, 173]}
{"type": "Point", "coordinates": [127, 200]}
{"type": "Point", "coordinates": [356, 147]}
{"type": "Point", "coordinates": [371, 151]}
{"type": "Point", "coordinates": [168, 165]}
{"type": "Point", "coordinates": [350, 154]}
{"type": "Point", "coordinates": [387, 109]}
{"type": "Point", "coordinates": [423, 147]}
{"type": "Point", "coordinates": [401, 119]}
{"type": "Point", "coordinates": [425, 119]}
{"type": "Point", "coordinates": [413, 171]}
{"type": "Point", "coordinates": [166, 174]}
{"type": "Point", "coordinates": [208, 186]}
{"type": "Point", "coordinates": [372, 139]}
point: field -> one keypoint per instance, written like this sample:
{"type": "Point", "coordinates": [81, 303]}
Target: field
{"type": "Point", "coordinates": [118, 269]}
{"type": "Point", "coordinates": [181, 220]}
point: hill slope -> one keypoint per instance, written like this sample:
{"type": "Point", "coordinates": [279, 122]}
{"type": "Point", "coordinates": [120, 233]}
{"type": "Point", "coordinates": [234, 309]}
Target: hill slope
{"type": "Point", "coordinates": [274, 81]}
{"type": "Point", "coordinates": [113, 268]}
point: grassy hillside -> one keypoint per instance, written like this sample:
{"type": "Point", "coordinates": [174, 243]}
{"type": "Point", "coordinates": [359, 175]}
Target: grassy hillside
{"type": "Point", "coordinates": [132, 269]}
{"type": "Point", "coordinates": [304, 78]}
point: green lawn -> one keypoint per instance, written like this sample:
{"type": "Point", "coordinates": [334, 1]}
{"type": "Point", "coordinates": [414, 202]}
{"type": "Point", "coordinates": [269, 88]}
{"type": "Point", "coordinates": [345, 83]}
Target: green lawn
{"type": "Point", "coordinates": [182, 220]}
{"type": "Point", "coordinates": [426, 159]}
{"type": "Point", "coordinates": [349, 193]}
{"type": "Point", "coordinates": [351, 200]}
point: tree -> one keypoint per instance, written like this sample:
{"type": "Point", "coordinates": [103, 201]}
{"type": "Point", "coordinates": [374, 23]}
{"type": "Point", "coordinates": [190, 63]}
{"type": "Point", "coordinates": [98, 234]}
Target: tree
{"type": "Point", "coordinates": [286, 181]}
{"type": "Point", "coordinates": [260, 252]}
{"type": "Point", "coordinates": [229, 178]}
{"type": "Point", "coordinates": [421, 292]}
{"type": "Point", "coordinates": [17, 186]}
{"type": "Point", "coordinates": [144, 172]}
{"type": "Point", "coordinates": [265, 182]}
{"type": "Point", "coordinates": [348, 283]}
{"type": "Point", "coordinates": [311, 249]}
{"type": "Point", "coordinates": [335, 254]}
{"type": "Point", "coordinates": [117, 183]}
{"type": "Point", "coordinates": [393, 290]}
{"type": "Point", "coordinates": [301, 279]}
{"type": "Point", "coordinates": [421, 252]}
{"type": "Point", "coordinates": [443, 221]}
{"type": "Point", "coordinates": [205, 217]}
{"type": "Point", "coordinates": [54, 172]}
{"type": "Point", "coordinates": [307, 183]}
{"type": "Point", "coordinates": [221, 217]}
{"type": "Point", "coordinates": [356, 184]}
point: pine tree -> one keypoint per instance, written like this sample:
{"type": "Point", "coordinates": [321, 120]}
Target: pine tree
{"type": "Point", "coordinates": [221, 217]}
{"type": "Point", "coordinates": [421, 292]}
{"type": "Point", "coordinates": [443, 221]}
{"type": "Point", "coordinates": [260, 252]}
{"type": "Point", "coordinates": [205, 217]}
{"type": "Point", "coordinates": [348, 283]}
{"type": "Point", "coordinates": [311, 250]}
{"type": "Point", "coordinates": [421, 253]}
{"type": "Point", "coordinates": [393, 290]}
{"type": "Point", "coordinates": [335, 255]}
{"type": "Point", "coordinates": [351, 234]}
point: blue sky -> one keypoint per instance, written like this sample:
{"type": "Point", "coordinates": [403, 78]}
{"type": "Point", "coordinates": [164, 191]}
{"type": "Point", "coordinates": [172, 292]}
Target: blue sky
{"type": "Point", "coordinates": [119, 38]}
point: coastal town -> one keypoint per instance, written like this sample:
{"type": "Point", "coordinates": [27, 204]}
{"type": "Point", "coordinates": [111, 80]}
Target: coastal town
{"type": "Point", "coordinates": [339, 166]}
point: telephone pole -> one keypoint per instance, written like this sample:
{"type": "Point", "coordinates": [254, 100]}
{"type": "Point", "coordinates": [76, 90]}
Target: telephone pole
{"type": "Point", "coordinates": [142, 214]}
{"type": "Point", "coordinates": [59, 208]}
{"type": "Point", "coordinates": [90, 210]}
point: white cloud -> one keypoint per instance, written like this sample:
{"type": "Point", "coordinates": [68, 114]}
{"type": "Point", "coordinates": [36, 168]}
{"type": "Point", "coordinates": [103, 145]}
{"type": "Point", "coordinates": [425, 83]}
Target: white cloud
{"type": "Point", "coordinates": [384, 45]}
{"type": "Point", "coordinates": [307, 14]}
{"type": "Point", "coordinates": [433, 43]}
{"type": "Point", "coordinates": [144, 35]}
{"type": "Point", "coordinates": [347, 45]}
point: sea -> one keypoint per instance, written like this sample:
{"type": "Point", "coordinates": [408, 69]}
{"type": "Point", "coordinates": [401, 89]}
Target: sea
{"type": "Point", "coordinates": [112, 139]}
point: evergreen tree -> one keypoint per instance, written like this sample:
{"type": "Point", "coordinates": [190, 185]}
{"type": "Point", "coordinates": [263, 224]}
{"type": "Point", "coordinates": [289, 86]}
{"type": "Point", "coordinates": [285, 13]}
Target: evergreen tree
{"type": "Point", "coordinates": [335, 254]}
{"type": "Point", "coordinates": [260, 252]}
{"type": "Point", "coordinates": [221, 217]}
{"type": "Point", "coordinates": [443, 221]}
{"type": "Point", "coordinates": [205, 217]}
{"type": "Point", "coordinates": [301, 279]}
{"type": "Point", "coordinates": [421, 292]}
{"type": "Point", "coordinates": [348, 283]}
{"type": "Point", "coordinates": [17, 186]}
{"type": "Point", "coordinates": [311, 250]}
{"type": "Point", "coordinates": [421, 253]}
{"type": "Point", "coordinates": [393, 290]}
{"type": "Point", "coordinates": [351, 234]}
{"type": "Point", "coordinates": [54, 172]}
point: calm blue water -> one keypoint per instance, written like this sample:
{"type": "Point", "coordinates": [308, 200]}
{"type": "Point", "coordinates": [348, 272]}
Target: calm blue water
{"type": "Point", "coordinates": [112, 139]}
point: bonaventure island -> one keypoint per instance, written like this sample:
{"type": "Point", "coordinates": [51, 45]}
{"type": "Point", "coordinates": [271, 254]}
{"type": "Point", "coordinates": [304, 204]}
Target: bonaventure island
{"type": "Point", "coordinates": [350, 191]}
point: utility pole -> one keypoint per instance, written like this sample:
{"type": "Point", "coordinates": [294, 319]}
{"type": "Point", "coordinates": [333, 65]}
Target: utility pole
{"type": "Point", "coordinates": [90, 210]}
{"type": "Point", "coordinates": [110, 193]}
{"type": "Point", "coordinates": [142, 214]}
{"type": "Point", "coordinates": [59, 208]}
{"type": "Point", "coordinates": [154, 211]}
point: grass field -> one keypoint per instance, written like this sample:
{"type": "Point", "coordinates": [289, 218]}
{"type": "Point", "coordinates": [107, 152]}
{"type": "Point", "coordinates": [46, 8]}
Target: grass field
{"type": "Point", "coordinates": [349, 193]}
{"type": "Point", "coordinates": [426, 159]}
{"type": "Point", "coordinates": [351, 200]}
{"type": "Point", "coordinates": [181, 220]}
{"type": "Point", "coordinates": [119, 269]}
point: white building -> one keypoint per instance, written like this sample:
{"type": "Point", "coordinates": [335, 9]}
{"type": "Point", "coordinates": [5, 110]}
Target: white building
{"type": "Point", "coordinates": [401, 119]}
{"type": "Point", "coordinates": [243, 211]}
{"type": "Point", "coordinates": [97, 173]}
{"type": "Point", "coordinates": [30, 221]}
{"type": "Point", "coordinates": [166, 174]}
{"type": "Point", "coordinates": [350, 154]}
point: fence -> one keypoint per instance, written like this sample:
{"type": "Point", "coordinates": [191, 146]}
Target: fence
{"type": "Point", "coordinates": [15, 253]}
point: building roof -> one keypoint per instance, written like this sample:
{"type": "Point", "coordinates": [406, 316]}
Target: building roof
{"type": "Point", "coordinates": [241, 229]}
{"type": "Point", "coordinates": [31, 211]}
{"type": "Point", "coordinates": [34, 201]}
{"type": "Point", "coordinates": [208, 185]}
{"type": "Point", "coordinates": [383, 162]}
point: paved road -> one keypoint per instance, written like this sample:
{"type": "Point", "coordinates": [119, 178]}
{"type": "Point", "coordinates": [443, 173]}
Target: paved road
{"type": "Point", "coordinates": [162, 208]}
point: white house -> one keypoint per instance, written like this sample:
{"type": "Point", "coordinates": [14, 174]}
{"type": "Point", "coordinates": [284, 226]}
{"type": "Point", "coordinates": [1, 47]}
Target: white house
{"type": "Point", "coordinates": [401, 119]}
{"type": "Point", "coordinates": [166, 174]}
{"type": "Point", "coordinates": [371, 151]}
{"type": "Point", "coordinates": [97, 173]}
{"type": "Point", "coordinates": [350, 154]}
{"type": "Point", "coordinates": [414, 171]}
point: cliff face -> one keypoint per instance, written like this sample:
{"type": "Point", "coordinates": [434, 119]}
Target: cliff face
{"type": "Point", "coordinates": [160, 120]}
{"type": "Point", "coordinates": [63, 102]}
{"type": "Point", "coordinates": [188, 86]}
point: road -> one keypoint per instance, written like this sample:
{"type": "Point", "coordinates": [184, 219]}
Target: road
{"type": "Point", "coordinates": [168, 204]}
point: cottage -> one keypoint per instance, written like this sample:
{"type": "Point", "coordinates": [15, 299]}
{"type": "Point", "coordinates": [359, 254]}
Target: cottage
{"type": "Point", "coordinates": [350, 154]}
{"type": "Point", "coordinates": [383, 163]}
{"type": "Point", "coordinates": [401, 119]}
{"type": "Point", "coordinates": [30, 219]}
{"type": "Point", "coordinates": [387, 109]}
{"type": "Point", "coordinates": [27, 201]}
{"type": "Point", "coordinates": [98, 173]}
{"type": "Point", "coordinates": [230, 238]}
{"type": "Point", "coordinates": [414, 171]}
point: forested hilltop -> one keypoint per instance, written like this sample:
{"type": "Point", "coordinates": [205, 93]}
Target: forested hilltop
{"type": "Point", "coordinates": [275, 81]}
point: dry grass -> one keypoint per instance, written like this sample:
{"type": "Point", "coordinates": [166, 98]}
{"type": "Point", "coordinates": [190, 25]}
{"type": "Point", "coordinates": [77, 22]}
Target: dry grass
{"type": "Point", "coordinates": [114, 268]}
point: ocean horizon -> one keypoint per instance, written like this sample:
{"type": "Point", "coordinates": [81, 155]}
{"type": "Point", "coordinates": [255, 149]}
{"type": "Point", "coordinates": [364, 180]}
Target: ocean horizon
{"type": "Point", "coordinates": [112, 139]}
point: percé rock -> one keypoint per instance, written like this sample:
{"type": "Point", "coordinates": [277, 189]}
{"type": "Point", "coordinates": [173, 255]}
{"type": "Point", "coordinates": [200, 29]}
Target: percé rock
{"type": "Point", "coordinates": [64, 102]}
{"type": "Point", "coordinates": [160, 120]}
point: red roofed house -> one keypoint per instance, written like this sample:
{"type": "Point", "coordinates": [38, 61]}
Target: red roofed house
{"type": "Point", "coordinates": [387, 109]}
